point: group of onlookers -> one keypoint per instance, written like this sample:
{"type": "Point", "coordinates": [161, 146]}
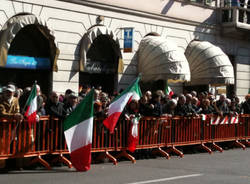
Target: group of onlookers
{"type": "Point", "coordinates": [13, 103]}
{"type": "Point", "coordinates": [190, 104]}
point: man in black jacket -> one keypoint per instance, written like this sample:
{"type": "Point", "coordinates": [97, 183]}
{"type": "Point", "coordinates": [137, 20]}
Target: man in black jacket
{"type": "Point", "coordinates": [55, 108]}
{"type": "Point", "coordinates": [246, 105]}
{"type": "Point", "coordinates": [155, 105]}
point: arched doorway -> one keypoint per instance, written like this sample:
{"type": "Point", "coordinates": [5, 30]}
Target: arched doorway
{"type": "Point", "coordinates": [101, 59]}
{"type": "Point", "coordinates": [28, 46]}
{"type": "Point", "coordinates": [28, 52]}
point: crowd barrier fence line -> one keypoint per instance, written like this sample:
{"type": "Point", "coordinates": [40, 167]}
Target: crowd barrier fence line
{"type": "Point", "coordinates": [163, 135]}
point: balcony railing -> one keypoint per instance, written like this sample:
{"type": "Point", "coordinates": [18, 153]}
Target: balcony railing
{"type": "Point", "coordinates": [235, 19]}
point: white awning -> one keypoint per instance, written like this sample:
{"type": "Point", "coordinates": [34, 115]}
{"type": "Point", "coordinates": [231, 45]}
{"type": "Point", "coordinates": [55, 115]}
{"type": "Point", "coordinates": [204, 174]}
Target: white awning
{"type": "Point", "coordinates": [14, 25]}
{"type": "Point", "coordinates": [161, 59]}
{"type": "Point", "coordinates": [208, 64]}
{"type": "Point", "coordinates": [88, 39]}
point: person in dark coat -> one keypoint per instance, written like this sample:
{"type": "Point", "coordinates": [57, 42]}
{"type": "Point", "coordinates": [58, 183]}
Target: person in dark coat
{"type": "Point", "coordinates": [155, 105]}
{"type": "Point", "coordinates": [181, 109]}
{"type": "Point", "coordinates": [184, 109]}
{"type": "Point", "coordinates": [55, 108]}
{"type": "Point", "coordinates": [246, 105]}
{"type": "Point", "coordinates": [195, 106]}
{"type": "Point", "coordinates": [206, 108]}
{"type": "Point", "coordinates": [169, 108]}
{"type": "Point", "coordinates": [144, 109]}
{"type": "Point", "coordinates": [222, 106]}
{"type": "Point", "coordinates": [71, 103]}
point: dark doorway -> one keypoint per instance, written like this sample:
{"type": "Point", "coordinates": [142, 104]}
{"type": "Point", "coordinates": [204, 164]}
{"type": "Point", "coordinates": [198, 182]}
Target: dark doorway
{"type": "Point", "coordinates": [197, 88]}
{"type": "Point", "coordinates": [153, 86]}
{"type": "Point", "coordinates": [29, 42]}
{"type": "Point", "coordinates": [101, 66]}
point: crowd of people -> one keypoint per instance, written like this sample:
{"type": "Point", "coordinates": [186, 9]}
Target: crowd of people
{"type": "Point", "coordinates": [13, 103]}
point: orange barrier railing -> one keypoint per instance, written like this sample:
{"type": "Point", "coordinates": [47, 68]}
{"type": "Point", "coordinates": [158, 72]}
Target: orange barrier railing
{"type": "Point", "coordinates": [19, 139]}
{"type": "Point", "coordinates": [187, 131]}
{"type": "Point", "coordinates": [162, 135]}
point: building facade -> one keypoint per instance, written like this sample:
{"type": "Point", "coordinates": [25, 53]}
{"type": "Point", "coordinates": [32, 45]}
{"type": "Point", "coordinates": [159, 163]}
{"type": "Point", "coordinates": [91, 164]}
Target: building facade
{"type": "Point", "coordinates": [75, 34]}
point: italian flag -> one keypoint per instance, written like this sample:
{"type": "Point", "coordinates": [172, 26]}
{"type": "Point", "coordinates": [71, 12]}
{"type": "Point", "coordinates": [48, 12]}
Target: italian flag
{"type": "Point", "coordinates": [78, 130]}
{"type": "Point", "coordinates": [169, 91]}
{"type": "Point", "coordinates": [225, 120]}
{"type": "Point", "coordinates": [234, 119]}
{"type": "Point", "coordinates": [133, 136]}
{"type": "Point", "coordinates": [215, 120]}
{"type": "Point", "coordinates": [203, 117]}
{"type": "Point", "coordinates": [117, 106]}
{"type": "Point", "coordinates": [31, 104]}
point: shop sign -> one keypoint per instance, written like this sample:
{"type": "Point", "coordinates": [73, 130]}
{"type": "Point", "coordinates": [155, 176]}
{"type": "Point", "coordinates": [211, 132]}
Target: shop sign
{"type": "Point", "coordinates": [99, 67]}
{"type": "Point", "coordinates": [128, 39]}
{"type": "Point", "coordinates": [26, 62]}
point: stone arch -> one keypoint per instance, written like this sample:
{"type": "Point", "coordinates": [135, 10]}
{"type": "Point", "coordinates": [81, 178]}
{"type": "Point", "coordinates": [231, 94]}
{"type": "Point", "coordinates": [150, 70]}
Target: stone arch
{"type": "Point", "coordinates": [89, 37]}
{"type": "Point", "coordinates": [15, 24]}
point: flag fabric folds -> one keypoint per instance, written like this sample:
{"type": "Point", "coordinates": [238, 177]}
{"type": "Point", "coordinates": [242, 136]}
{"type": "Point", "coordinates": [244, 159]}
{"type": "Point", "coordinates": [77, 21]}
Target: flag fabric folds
{"type": "Point", "coordinates": [78, 130]}
{"type": "Point", "coordinates": [31, 104]}
{"type": "Point", "coordinates": [169, 91]}
{"type": "Point", "coordinates": [118, 104]}
{"type": "Point", "coordinates": [133, 135]}
{"type": "Point", "coordinates": [217, 120]}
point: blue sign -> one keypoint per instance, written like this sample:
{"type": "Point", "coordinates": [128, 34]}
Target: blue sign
{"type": "Point", "coordinates": [26, 62]}
{"type": "Point", "coordinates": [128, 39]}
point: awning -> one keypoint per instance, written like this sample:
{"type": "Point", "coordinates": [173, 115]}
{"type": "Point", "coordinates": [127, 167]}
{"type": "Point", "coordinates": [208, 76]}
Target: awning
{"type": "Point", "coordinates": [161, 59]}
{"type": "Point", "coordinates": [88, 39]}
{"type": "Point", "coordinates": [14, 25]}
{"type": "Point", "coordinates": [208, 64]}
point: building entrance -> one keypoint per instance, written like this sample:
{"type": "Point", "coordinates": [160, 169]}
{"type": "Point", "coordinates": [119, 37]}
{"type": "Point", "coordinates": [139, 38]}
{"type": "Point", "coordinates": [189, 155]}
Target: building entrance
{"type": "Point", "coordinates": [29, 59]}
{"type": "Point", "coordinates": [101, 66]}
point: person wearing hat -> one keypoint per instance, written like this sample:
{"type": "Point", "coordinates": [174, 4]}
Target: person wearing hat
{"type": "Point", "coordinates": [9, 105]}
{"type": "Point", "coordinates": [9, 108]}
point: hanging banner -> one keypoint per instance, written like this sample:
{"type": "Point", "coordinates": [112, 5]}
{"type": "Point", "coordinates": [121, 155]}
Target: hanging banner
{"type": "Point", "coordinates": [26, 62]}
{"type": "Point", "coordinates": [128, 39]}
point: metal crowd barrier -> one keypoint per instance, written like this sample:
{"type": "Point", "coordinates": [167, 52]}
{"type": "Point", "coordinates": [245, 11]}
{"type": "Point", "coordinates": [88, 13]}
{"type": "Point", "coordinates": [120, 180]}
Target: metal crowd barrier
{"type": "Point", "coordinates": [19, 140]}
{"type": "Point", "coordinates": [161, 135]}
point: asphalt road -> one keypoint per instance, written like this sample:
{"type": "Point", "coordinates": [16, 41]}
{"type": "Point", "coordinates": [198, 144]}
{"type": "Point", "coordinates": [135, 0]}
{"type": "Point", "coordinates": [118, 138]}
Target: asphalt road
{"type": "Point", "coordinates": [230, 167]}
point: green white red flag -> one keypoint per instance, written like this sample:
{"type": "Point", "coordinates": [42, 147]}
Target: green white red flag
{"type": "Point", "coordinates": [117, 106]}
{"type": "Point", "coordinates": [78, 130]}
{"type": "Point", "coordinates": [31, 104]}
{"type": "Point", "coordinates": [133, 135]}
{"type": "Point", "coordinates": [169, 91]}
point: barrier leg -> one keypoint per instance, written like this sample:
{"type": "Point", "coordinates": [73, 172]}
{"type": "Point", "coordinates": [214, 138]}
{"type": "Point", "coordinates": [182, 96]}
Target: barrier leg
{"type": "Point", "coordinates": [247, 142]}
{"type": "Point", "coordinates": [203, 146]}
{"type": "Point", "coordinates": [39, 159]}
{"type": "Point", "coordinates": [176, 151]}
{"type": "Point", "coordinates": [161, 152]}
{"type": "Point", "coordinates": [62, 159]}
{"type": "Point", "coordinates": [237, 143]}
{"type": "Point", "coordinates": [126, 155]}
{"type": "Point", "coordinates": [217, 147]}
{"type": "Point", "coordinates": [106, 154]}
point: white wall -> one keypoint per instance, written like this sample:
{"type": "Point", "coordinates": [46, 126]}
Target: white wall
{"type": "Point", "coordinates": [70, 22]}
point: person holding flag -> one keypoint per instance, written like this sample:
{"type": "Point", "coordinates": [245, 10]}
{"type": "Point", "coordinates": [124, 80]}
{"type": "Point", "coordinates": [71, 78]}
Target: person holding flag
{"type": "Point", "coordinates": [116, 107]}
{"type": "Point", "coordinates": [78, 130]}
